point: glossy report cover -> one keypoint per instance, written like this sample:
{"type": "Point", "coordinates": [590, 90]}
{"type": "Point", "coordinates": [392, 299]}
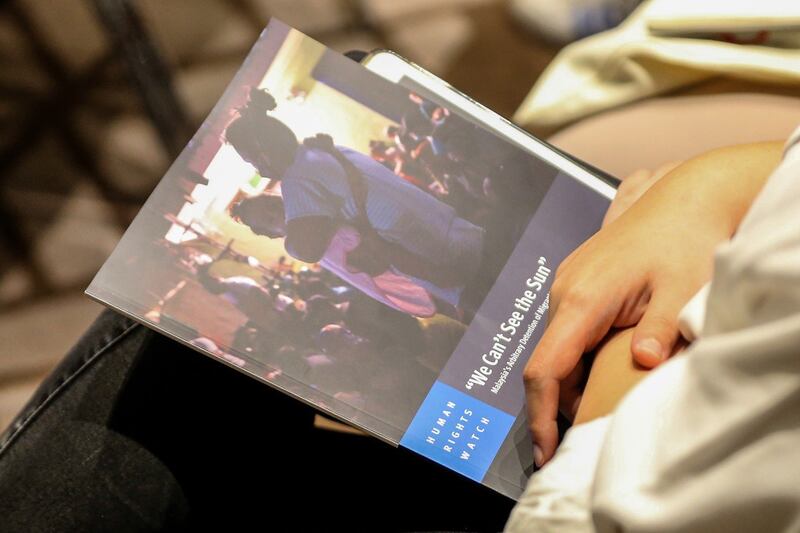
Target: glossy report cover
{"type": "Point", "coordinates": [362, 248]}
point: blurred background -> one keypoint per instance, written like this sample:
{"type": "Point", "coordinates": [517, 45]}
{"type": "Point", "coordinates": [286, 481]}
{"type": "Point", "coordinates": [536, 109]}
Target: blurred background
{"type": "Point", "coordinates": [98, 96]}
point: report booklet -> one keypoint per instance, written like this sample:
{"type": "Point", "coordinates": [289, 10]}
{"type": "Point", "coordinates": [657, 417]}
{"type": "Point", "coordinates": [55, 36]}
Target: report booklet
{"type": "Point", "coordinates": [364, 247]}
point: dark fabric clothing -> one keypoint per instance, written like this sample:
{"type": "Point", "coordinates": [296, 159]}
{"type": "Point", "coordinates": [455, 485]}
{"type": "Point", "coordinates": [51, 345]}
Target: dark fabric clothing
{"type": "Point", "coordinates": [135, 432]}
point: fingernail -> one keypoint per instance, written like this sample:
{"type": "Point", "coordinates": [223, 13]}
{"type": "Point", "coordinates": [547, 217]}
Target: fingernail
{"type": "Point", "coordinates": [651, 347]}
{"type": "Point", "coordinates": [538, 456]}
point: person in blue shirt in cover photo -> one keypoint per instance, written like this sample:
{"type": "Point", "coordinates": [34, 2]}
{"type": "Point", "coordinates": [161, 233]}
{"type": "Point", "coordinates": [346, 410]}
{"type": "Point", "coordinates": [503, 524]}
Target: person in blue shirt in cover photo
{"type": "Point", "coordinates": [402, 229]}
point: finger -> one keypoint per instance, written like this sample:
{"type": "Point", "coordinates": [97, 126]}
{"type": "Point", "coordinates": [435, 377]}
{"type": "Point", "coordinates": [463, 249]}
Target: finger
{"type": "Point", "coordinates": [637, 176]}
{"type": "Point", "coordinates": [640, 181]}
{"type": "Point", "coordinates": [556, 355]}
{"type": "Point", "coordinates": [657, 332]}
{"type": "Point", "coordinates": [626, 195]}
{"type": "Point", "coordinates": [633, 187]}
{"type": "Point", "coordinates": [542, 394]}
{"type": "Point", "coordinates": [663, 170]}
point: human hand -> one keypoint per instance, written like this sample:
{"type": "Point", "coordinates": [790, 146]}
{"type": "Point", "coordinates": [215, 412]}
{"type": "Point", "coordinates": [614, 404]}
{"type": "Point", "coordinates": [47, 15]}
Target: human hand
{"type": "Point", "coordinates": [639, 269]}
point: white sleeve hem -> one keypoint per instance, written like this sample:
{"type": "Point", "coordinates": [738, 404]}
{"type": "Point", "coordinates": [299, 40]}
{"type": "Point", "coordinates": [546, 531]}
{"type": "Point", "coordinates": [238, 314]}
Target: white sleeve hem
{"type": "Point", "coordinates": [558, 497]}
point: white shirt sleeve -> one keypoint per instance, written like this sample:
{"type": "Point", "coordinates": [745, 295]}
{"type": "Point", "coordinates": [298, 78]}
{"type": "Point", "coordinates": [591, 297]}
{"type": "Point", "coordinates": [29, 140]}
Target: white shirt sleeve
{"type": "Point", "coordinates": [557, 497]}
{"type": "Point", "coordinates": [711, 440]}
{"type": "Point", "coordinates": [693, 315]}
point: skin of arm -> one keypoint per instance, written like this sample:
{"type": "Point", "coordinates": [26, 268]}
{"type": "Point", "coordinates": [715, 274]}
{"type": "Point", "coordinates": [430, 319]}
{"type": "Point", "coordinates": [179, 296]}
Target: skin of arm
{"type": "Point", "coordinates": [640, 270]}
{"type": "Point", "coordinates": [614, 372]}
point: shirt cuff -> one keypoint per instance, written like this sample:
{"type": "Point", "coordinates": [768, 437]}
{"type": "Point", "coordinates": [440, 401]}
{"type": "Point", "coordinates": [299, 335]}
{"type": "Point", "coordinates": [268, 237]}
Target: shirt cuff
{"type": "Point", "coordinates": [558, 497]}
{"type": "Point", "coordinates": [693, 315]}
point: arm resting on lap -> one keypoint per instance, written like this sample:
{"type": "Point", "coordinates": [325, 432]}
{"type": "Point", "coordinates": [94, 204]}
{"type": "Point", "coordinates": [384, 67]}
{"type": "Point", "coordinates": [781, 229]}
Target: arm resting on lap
{"type": "Point", "coordinates": [613, 374]}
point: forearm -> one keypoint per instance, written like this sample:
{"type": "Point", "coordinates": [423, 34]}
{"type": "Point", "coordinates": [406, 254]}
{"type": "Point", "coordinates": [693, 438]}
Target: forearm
{"type": "Point", "coordinates": [613, 374]}
{"type": "Point", "coordinates": [728, 179]}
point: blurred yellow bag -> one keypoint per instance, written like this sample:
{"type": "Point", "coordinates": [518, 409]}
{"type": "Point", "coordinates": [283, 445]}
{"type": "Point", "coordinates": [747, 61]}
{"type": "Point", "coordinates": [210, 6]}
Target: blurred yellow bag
{"type": "Point", "coordinates": [663, 45]}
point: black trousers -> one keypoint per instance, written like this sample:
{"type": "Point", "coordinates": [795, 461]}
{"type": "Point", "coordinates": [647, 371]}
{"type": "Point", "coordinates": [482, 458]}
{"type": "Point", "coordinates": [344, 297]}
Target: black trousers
{"type": "Point", "coordinates": [135, 432]}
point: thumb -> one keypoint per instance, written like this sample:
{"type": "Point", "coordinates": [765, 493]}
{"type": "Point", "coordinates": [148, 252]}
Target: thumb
{"type": "Point", "coordinates": [657, 332]}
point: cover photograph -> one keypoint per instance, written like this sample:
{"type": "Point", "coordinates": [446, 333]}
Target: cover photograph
{"type": "Point", "coordinates": [363, 248]}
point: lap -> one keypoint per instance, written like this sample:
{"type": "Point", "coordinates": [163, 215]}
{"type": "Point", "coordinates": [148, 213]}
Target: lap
{"type": "Point", "coordinates": [137, 432]}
